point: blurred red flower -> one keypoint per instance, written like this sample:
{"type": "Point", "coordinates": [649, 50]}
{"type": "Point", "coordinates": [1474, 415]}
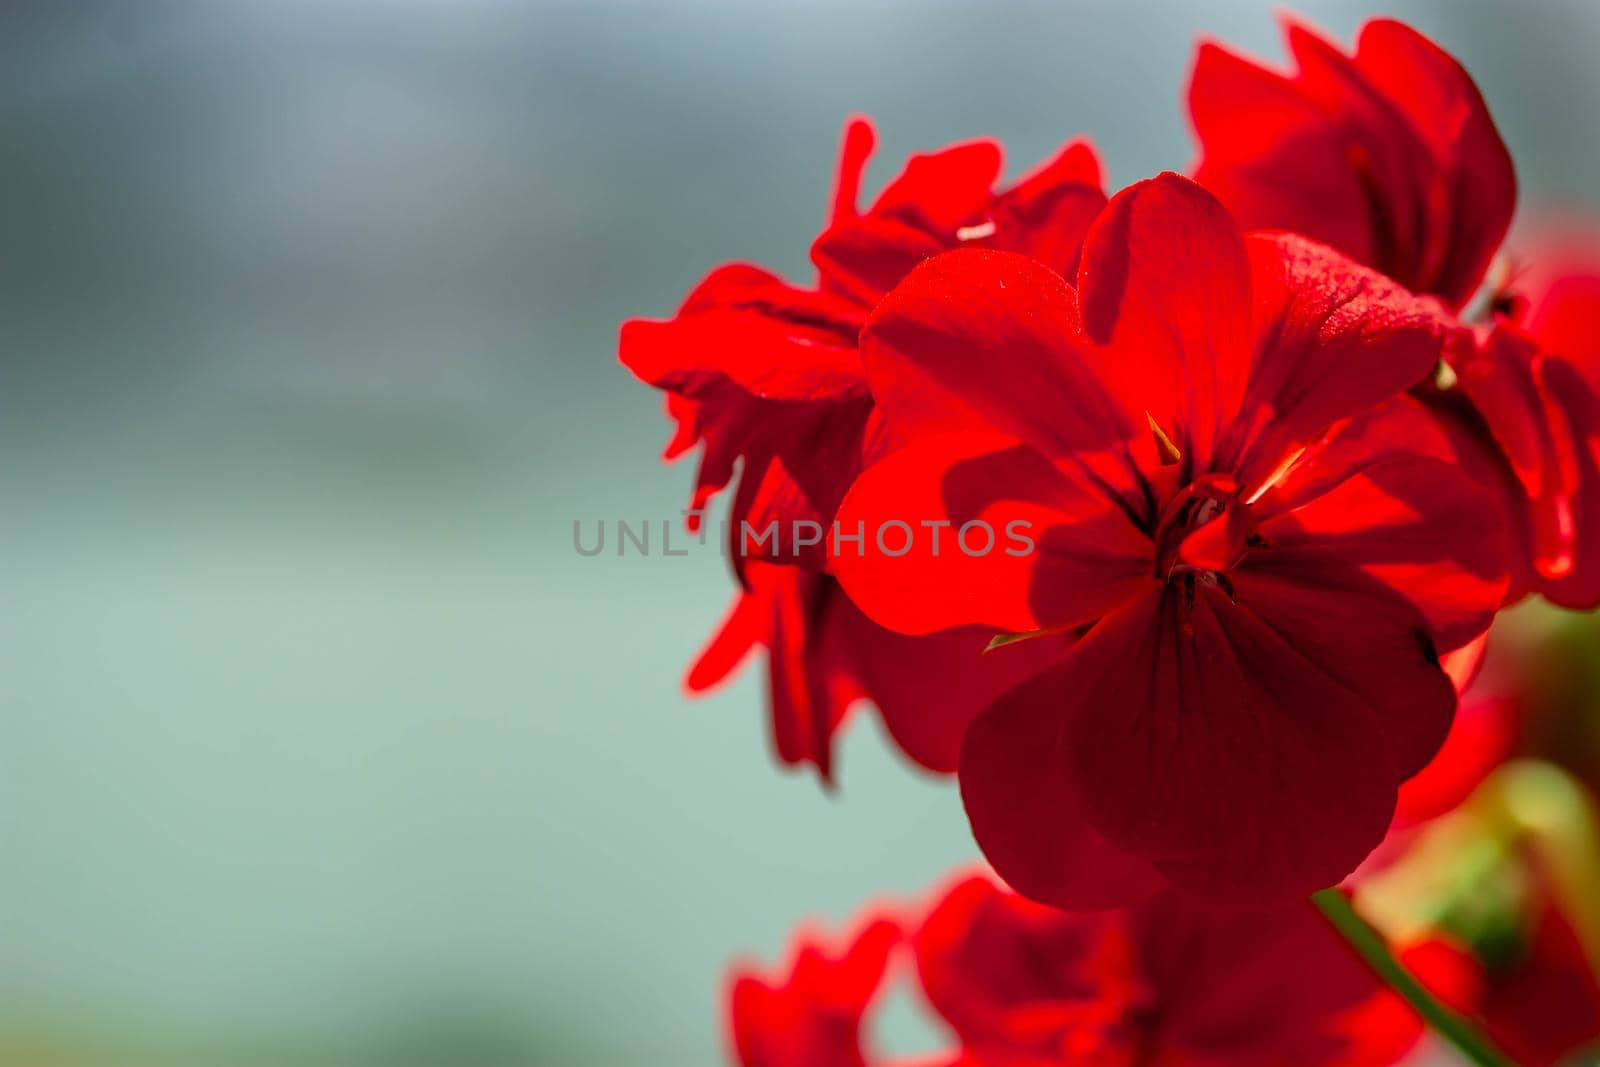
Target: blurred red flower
{"type": "Point", "coordinates": [1265, 539]}
{"type": "Point", "coordinates": [1389, 155]}
{"type": "Point", "coordinates": [1017, 984]}
{"type": "Point", "coordinates": [1535, 991]}
{"type": "Point", "coordinates": [767, 377]}
{"type": "Point", "coordinates": [1532, 383]}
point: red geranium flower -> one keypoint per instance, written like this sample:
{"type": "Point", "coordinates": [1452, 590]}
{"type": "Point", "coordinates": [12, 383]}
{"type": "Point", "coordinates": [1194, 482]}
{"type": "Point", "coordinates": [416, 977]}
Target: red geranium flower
{"type": "Point", "coordinates": [766, 375]}
{"type": "Point", "coordinates": [1018, 984]}
{"type": "Point", "coordinates": [812, 1016]}
{"type": "Point", "coordinates": [1527, 393]}
{"type": "Point", "coordinates": [1536, 992]}
{"type": "Point", "coordinates": [1262, 536]}
{"type": "Point", "coordinates": [1388, 155]}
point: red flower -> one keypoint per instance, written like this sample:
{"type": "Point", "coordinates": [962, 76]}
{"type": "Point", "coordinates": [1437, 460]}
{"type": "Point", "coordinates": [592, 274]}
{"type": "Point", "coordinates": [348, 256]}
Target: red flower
{"type": "Point", "coordinates": [812, 1017]}
{"type": "Point", "coordinates": [1540, 1000]}
{"type": "Point", "coordinates": [766, 375]}
{"type": "Point", "coordinates": [1017, 984]}
{"type": "Point", "coordinates": [1229, 493]}
{"type": "Point", "coordinates": [1388, 155]}
{"type": "Point", "coordinates": [1528, 395]}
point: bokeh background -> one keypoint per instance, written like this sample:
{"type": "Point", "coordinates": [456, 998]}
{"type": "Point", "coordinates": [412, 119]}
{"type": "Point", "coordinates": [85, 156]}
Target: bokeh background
{"type": "Point", "coordinates": [318, 741]}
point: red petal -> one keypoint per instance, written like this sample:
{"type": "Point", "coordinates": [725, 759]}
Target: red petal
{"type": "Point", "coordinates": [820, 449]}
{"type": "Point", "coordinates": [1055, 553]}
{"type": "Point", "coordinates": [1165, 283]}
{"type": "Point", "coordinates": [992, 333]}
{"type": "Point", "coordinates": [1370, 508]}
{"type": "Point", "coordinates": [1264, 987]}
{"type": "Point", "coordinates": [1026, 810]}
{"type": "Point", "coordinates": [1390, 157]}
{"type": "Point", "coordinates": [1334, 338]}
{"type": "Point", "coordinates": [1024, 984]}
{"type": "Point", "coordinates": [1250, 749]}
{"type": "Point", "coordinates": [1406, 199]}
{"type": "Point", "coordinates": [853, 155]}
{"type": "Point", "coordinates": [811, 686]}
{"type": "Point", "coordinates": [1480, 739]}
{"type": "Point", "coordinates": [744, 626]}
{"type": "Point", "coordinates": [868, 255]}
{"type": "Point", "coordinates": [945, 190]}
{"type": "Point", "coordinates": [771, 339]}
{"type": "Point", "coordinates": [1447, 112]}
{"type": "Point", "coordinates": [1575, 409]}
{"type": "Point", "coordinates": [811, 1016]}
{"type": "Point", "coordinates": [1270, 154]}
{"type": "Point", "coordinates": [929, 689]}
{"type": "Point", "coordinates": [1046, 215]}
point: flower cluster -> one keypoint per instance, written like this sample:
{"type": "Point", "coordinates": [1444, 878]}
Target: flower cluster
{"type": "Point", "coordinates": [1282, 438]}
{"type": "Point", "coordinates": [1012, 983]}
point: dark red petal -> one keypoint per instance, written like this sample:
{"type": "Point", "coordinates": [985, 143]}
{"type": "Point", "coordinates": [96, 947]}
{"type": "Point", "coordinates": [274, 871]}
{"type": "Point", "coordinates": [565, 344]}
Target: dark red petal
{"type": "Point", "coordinates": [1369, 641]}
{"type": "Point", "coordinates": [1250, 749]}
{"type": "Point", "coordinates": [1548, 1007]}
{"type": "Point", "coordinates": [732, 424]}
{"type": "Point", "coordinates": [1025, 806]}
{"type": "Point", "coordinates": [1164, 283]}
{"type": "Point", "coordinates": [929, 689]}
{"type": "Point", "coordinates": [1333, 338]}
{"type": "Point", "coordinates": [1023, 984]}
{"type": "Point", "coordinates": [819, 451]}
{"type": "Point", "coordinates": [1054, 553]}
{"type": "Point", "coordinates": [1266, 987]}
{"type": "Point", "coordinates": [993, 333]}
{"type": "Point", "coordinates": [810, 683]}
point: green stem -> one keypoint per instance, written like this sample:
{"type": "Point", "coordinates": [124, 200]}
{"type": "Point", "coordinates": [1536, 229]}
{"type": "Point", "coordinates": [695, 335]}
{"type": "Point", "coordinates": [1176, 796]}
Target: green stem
{"type": "Point", "coordinates": [1374, 951]}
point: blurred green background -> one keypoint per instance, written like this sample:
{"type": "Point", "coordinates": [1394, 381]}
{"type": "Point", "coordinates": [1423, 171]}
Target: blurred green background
{"type": "Point", "coordinates": [318, 742]}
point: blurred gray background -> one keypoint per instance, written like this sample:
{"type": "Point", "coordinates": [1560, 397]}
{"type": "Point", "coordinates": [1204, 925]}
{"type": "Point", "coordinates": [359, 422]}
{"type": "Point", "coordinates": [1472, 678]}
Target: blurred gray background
{"type": "Point", "coordinates": [318, 742]}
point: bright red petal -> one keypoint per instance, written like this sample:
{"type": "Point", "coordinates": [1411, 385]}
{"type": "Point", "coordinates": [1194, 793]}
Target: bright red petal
{"type": "Point", "coordinates": [1165, 284]}
{"type": "Point", "coordinates": [1333, 339]}
{"type": "Point", "coordinates": [993, 333]}
{"type": "Point", "coordinates": [1046, 215]}
{"type": "Point", "coordinates": [1014, 544]}
{"type": "Point", "coordinates": [945, 190]}
{"type": "Point", "coordinates": [1379, 504]}
{"type": "Point", "coordinates": [868, 255]}
{"type": "Point", "coordinates": [854, 152]}
{"type": "Point", "coordinates": [812, 1015]}
{"type": "Point", "coordinates": [1268, 152]}
{"type": "Point", "coordinates": [771, 339]}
